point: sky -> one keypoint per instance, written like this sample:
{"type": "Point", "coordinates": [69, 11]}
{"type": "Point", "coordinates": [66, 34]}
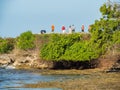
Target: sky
{"type": "Point", "coordinates": [18, 16]}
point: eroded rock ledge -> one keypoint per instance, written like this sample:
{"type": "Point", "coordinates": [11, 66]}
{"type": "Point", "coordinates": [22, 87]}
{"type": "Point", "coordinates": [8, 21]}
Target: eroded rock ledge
{"type": "Point", "coordinates": [31, 60]}
{"type": "Point", "coordinates": [23, 59]}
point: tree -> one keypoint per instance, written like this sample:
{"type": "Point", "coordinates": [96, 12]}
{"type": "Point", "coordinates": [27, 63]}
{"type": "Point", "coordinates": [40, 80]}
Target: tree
{"type": "Point", "coordinates": [102, 30]}
{"type": "Point", "coordinates": [111, 10]}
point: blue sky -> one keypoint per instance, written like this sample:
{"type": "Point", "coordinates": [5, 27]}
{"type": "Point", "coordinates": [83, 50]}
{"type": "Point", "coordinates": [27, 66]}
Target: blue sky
{"type": "Point", "coordinates": [17, 16]}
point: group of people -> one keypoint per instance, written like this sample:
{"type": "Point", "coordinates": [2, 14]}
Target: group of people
{"type": "Point", "coordinates": [71, 29]}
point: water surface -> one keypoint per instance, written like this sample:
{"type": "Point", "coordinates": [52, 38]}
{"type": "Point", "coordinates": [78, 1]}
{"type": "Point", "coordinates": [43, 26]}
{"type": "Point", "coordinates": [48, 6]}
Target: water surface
{"type": "Point", "coordinates": [12, 79]}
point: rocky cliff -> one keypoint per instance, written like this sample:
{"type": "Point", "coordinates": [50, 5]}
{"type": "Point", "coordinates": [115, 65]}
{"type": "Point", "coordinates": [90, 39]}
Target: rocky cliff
{"type": "Point", "coordinates": [23, 59]}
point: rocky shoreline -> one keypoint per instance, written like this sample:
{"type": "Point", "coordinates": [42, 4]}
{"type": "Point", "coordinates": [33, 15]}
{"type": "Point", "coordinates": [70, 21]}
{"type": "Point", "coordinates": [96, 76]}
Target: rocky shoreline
{"type": "Point", "coordinates": [19, 59]}
{"type": "Point", "coordinates": [23, 60]}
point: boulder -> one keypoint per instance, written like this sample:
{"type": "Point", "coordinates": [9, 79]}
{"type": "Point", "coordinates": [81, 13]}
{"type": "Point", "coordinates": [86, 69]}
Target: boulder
{"type": "Point", "coordinates": [6, 59]}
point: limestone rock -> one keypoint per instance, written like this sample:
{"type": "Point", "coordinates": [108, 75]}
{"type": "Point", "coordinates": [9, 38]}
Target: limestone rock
{"type": "Point", "coordinates": [6, 59]}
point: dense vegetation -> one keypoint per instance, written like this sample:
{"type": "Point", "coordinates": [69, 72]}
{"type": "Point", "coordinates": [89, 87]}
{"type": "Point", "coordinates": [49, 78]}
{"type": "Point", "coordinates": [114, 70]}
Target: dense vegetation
{"type": "Point", "coordinates": [70, 47]}
{"type": "Point", "coordinates": [110, 10]}
{"type": "Point", "coordinates": [26, 41]}
{"type": "Point", "coordinates": [103, 35]}
{"type": "Point", "coordinates": [6, 45]}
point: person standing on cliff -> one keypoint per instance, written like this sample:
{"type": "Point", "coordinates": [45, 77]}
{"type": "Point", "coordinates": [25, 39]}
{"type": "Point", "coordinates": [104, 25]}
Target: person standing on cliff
{"type": "Point", "coordinates": [52, 27]}
{"type": "Point", "coordinates": [82, 28]}
{"type": "Point", "coordinates": [70, 29]}
{"type": "Point", "coordinates": [73, 28]}
{"type": "Point", "coordinates": [63, 29]}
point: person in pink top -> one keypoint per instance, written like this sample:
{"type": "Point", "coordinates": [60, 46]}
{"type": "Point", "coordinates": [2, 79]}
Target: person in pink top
{"type": "Point", "coordinates": [82, 28]}
{"type": "Point", "coordinates": [63, 29]}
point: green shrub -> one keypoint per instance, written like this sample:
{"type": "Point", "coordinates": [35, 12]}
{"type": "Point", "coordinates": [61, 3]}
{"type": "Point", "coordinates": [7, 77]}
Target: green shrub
{"type": "Point", "coordinates": [82, 51]}
{"type": "Point", "coordinates": [26, 41]}
{"type": "Point", "coordinates": [11, 43]}
{"type": "Point", "coordinates": [70, 48]}
{"type": "Point", "coordinates": [6, 45]}
{"type": "Point", "coordinates": [57, 45]}
{"type": "Point", "coordinates": [116, 37]}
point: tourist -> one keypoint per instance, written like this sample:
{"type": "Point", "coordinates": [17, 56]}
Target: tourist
{"type": "Point", "coordinates": [82, 28]}
{"type": "Point", "coordinates": [43, 31]}
{"type": "Point", "coordinates": [52, 28]}
{"type": "Point", "coordinates": [70, 29]}
{"type": "Point", "coordinates": [73, 28]}
{"type": "Point", "coordinates": [63, 29]}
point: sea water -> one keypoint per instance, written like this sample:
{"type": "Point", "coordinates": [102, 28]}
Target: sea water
{"type": "Point", "coordinates": [11, 79]}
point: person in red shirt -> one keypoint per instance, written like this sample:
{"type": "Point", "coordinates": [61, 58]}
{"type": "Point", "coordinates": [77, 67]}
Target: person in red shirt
{"type": "Point", "coordinates": [63, 29]}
